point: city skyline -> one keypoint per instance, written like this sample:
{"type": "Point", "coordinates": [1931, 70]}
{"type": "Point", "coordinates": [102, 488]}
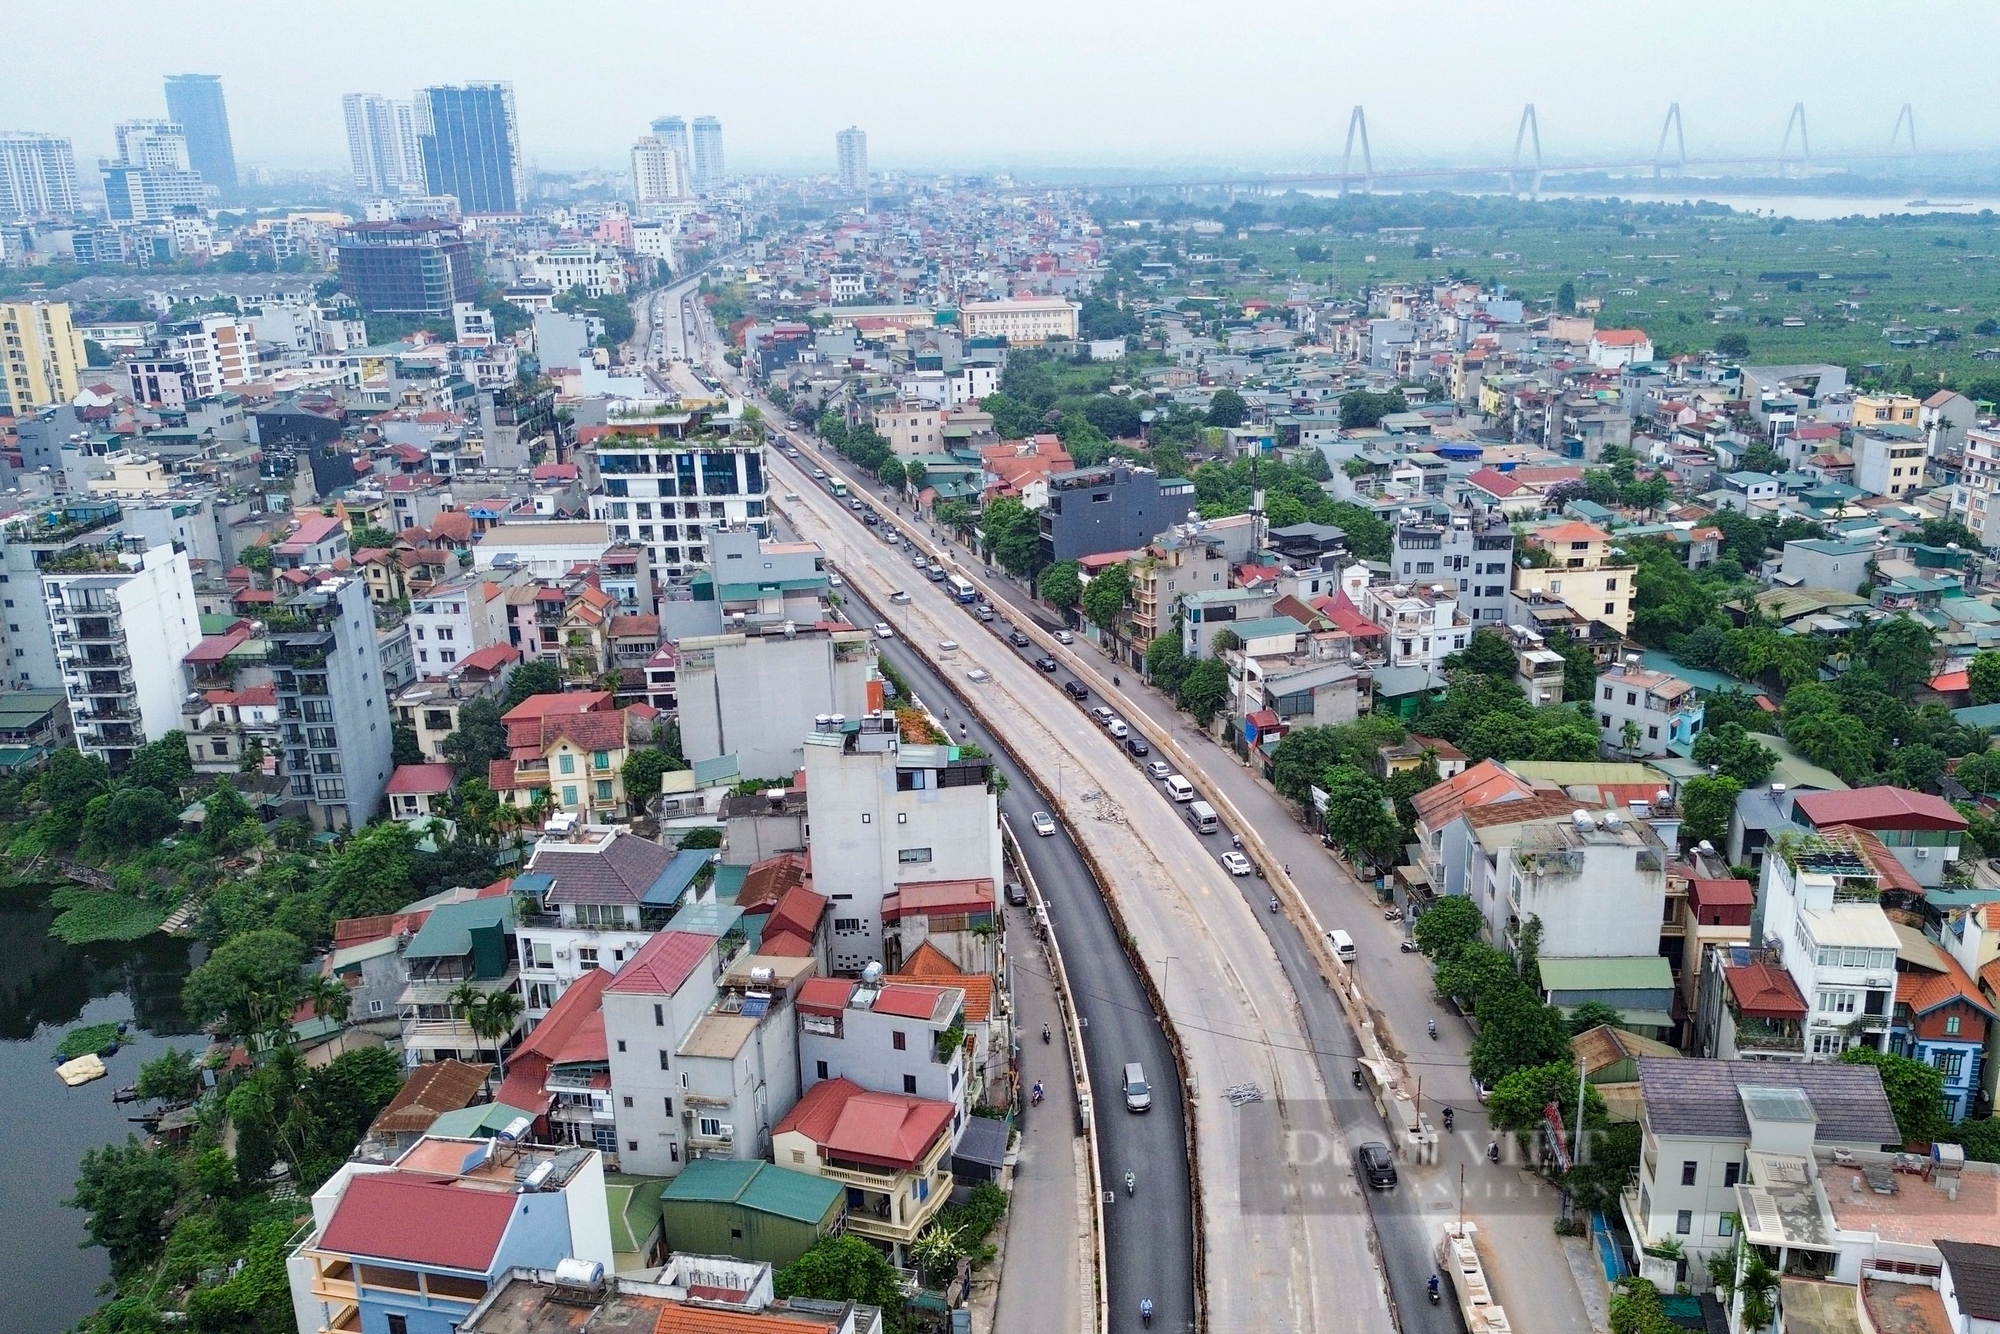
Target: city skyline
{"type": "Point", "coordinates": [1074, 108]}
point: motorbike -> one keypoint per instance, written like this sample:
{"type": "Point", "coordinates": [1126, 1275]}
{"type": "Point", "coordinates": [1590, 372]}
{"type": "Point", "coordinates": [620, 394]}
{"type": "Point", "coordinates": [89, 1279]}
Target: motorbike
{"type": "Point", "coordinates": [1131, 1183]}
{"type": "Point", "coordinates": [1392, 914]}
{"type": "Point", "coordinates": [1409, 947]}
{"type": "Point", "coordinates": [1434, 1289]}
{"type": "Point", "coordinates": [1045, 1035]}
{"type": "Point", "coordinates": [1274, 905]}
{"type": "Point", "coordinates": [1236, 841]}
{"type": "Point", "coordinates": [1447, 1118]}
{"type": "Point", "coordinates": [1035, 1098]}
{"type": "Point", "coordinates": [1434, 1030]}
{"type": "Point", "coordinates": [1357, 1076]}
{"type": "Point", "coordinates": [1114, 680]}
{"type": "Point", "coordinates": [1259, 870]}
{"type": "Point", "coordinates": [1146, 1311]}
{"type": "Point", "coordinates": [1493, 1152]}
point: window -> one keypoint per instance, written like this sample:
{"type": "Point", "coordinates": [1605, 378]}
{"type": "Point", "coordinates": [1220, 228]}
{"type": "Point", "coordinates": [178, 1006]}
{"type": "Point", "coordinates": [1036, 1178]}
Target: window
{"type": "Point", "coordinates": [1607, 694]}
{"type": "Point", "coordinates": [566, 763]}
{"type": "Point", "coordinates": [912, 856]}
{"type": "Point", "coordinates": [1684, 1221]}
{"type": "Point", "coordinates": [1731, 1174]}
{"type": "Point", "coordinates": [669, 1104]}
{"type": "Point", "coordinates": [659, 1016]}
{"type": "Point", "coordinates": [628, 1100]}
{"type": "Point", "coordinates": [586, 959]}
{"type": "Point", "coordinates": [600, 759]}
{"type": "Point", "coordinates": [1836, 1002]}
{"type": "Point", "coordinates": [1951, 1024]}
{"type": "Point", "coordinates": [399, 1324]}
{"type": "Point", "coordinates": [604, 789]}
{"type": "Point", "coordinates": [1688, 1170]}
{"type": "Point", "coordinates": [899, 1040]}
{"type": "Point", "coordinates": [820, 1070]}
{"type": "Point", "coordinates": [569, 794]}
{"type": "Point", "coordinates": [1610, 609]}
{"type": "Point", "coordinates": [1611, 585]}
{"type": "Point", "coordinates": [1949, 1063]}
{"type": "Point", "coordinates": [711, 1127]}
{"type": "Point", "coordinates": [909, 1083]}
{"type": "Point", "coordinates": [1726, 1225]}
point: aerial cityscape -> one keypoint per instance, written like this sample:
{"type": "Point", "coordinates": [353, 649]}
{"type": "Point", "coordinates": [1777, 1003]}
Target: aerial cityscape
{"type": "Point", "coordinates": [711, 674]}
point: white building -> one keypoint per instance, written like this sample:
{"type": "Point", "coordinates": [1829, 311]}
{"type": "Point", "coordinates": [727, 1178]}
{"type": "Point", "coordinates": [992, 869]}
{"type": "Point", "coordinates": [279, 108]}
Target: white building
{"type": "Point", "coordinates": [1975, 498]}
{"type": "Point", "coordinates": [649, 1007]}
{"type": "Point", "coordinates": [659, 171]}
{"type": "Point", "coordinates": [597, 269]}
{"type": "Point", "coordinates": [382, 144]}
{"type": "Point", "coordinates": [1612, 348]}
{"type": "Point", "coordinates": [884, 813]}
{"type": "Point", "coordinates": [851, 155]}
{"type": "Point", "coordinates": [1023, 320]}
{"type": "Point", "coordinates": [219, 351]}
{"type": "Point", "coordinates": [654, 240]}
{"type": "Point", "coordinates": [1421, 622]}
{"type": "Point", "coordinates": [37, 175]}
{"type": "Point", "coordinates": [470, 324]}
{"type": "Point", "coordinates": [1820, 910]}
{"type": "Point", "coordinates": [888, 1037]}
{"type": "Point", "coordinates": [1597, 882]}
{"type": "Point", "coordinates": [120, 636]}
{"type": "Point", "coordinates": [598, 895]}
{"type": "Point", "coordinates": [911, 427]}
{"type": "Point", "coordinates": [1661, 710]}
{"type": "Point", "coordinates": [706, 159]}
{"type": "Point", "coordinates": [755, 693]}
{"type": "Point", "coordinates": [1889, 461]}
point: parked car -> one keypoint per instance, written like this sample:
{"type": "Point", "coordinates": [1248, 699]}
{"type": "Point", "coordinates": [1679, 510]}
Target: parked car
{"type": "Point", "coordinates": [1065, 637]}
{"type": "Point", "coordinates": [1235, 863]}
{"type": "Point", "coordinates": [1076, 690]}
{"type": "Point", "coordinates": [1101, 716]}
{"type": "Point", "coordinates": [1017, 894]}
{"type": "Point", "coordinates": [882, 630]}
{"type": "Point", "coordinates": [1044, 824]}
{"type": "Point", "coordinates": [1158, 769]}
{"type": "Point", "coordinates": [1136, 746]}
{"type": "Point", "coordinates": [1376, 1165]}
{"type": "Point", "coordinates": [1046, 663]}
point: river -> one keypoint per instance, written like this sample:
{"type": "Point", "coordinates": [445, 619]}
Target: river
{"type": "Point", "coordinates": [49, 1279]}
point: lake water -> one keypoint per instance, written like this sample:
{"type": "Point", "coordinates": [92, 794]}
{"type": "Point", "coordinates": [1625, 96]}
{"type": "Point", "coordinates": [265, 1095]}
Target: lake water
{"type": "Point", "coordinates": [48, 1279]}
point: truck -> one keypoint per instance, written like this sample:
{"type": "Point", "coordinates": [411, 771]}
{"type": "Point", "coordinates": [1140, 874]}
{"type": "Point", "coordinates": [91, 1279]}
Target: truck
{"type": "Point", "coordinates": [961, 588]}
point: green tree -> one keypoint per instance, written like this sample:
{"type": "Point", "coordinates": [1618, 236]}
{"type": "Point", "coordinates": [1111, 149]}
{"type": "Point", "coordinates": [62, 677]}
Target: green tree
{"type": "Point", "coordinates": [404, 748]}
{"type": "Point", "coordinates": [1592, 1013]}
{"type": "Point", "coordinates": [1733, 345]}
{"type": "Point", "coordinates": [1062, 584]}
{"type": "Point", "coordinates": [123, 821]}
{"type": "Point", "coordinates": [1301, 759]}
{"type": "Point", "coordinates": [1474, 970]}
{"type": "Point", "coordinates": [1105, 596]}
{"type": "Point", "coordinates": [1448, 926]}
{"type": "Point", "coordinates": [845, 1268]}
{"type": "Point", "coordinates": [162, 765]}
{"type": "Point", "coordinates": [1357, 816]}
{"type": "Point", "coordinates": [1984, 675]}
{"type": "Point", "coordinates": [1167, 665]}
{"type": "Point", "coordinates": [1706, 805]}
{"type": "Point", "coordinates": [1942, 532]}
{"type": "Point", "coordinates": [543, 676]}
{"type": "Point", "coordinates": [1013, 534]}
{"type": "Point", "coordinates": [172, 1076]}
{"type": "Point", "coordinates": [371, 872]}
{"type": "Point", "coordinates": [1204, 689]}
{"type": "Point", "coordinates": [642, 772]}
{"type": "Point", "coordinates": [367, 537]}
{"type": "Point", "coordinates": [257, 558]}
{"type": "Point", "coordinates": [1488, 654]}
{"type": "Point", "coordinates": [1734, 753]}
{"type": "Point", "coordinates": [706, 837]}
{"type": "Point", "coordinates": [480, 737]}
{"type": "Point", "coordinates": [1227, 408]}
{"type": "Point", "coordinates": [1566, 298]}
{"type": "Point", "coordinates": [1900, 649]}
{"type": "Point", "coordinates": [1360, 408]}
{"type": "Point", "coordinates": [1915, 1090]}
{"type": "Point", "coordinates": [251, 983]}
{"type": "Point", "coordinates": [1516, 1029]}
{"type": "Point", "coordinates": [892, 473]}
{"type": "Point", "coordinates": [125, 1191]}
{"type": "Point", "coordinates": [228, 824]}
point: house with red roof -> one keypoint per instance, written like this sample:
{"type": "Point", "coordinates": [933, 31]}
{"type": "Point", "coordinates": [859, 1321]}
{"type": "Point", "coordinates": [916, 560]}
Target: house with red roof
{"type": "Point", "coordinates": [898, 1037]}
{"type": "Point", "coordinates": [988, 1034]}
{"type": "Point", "coordinates": [1613, 348]}
{"type": "Point", "coordinates": [1751, 1008]}
{"type": "Point", "coordinates": [1940, 1017]}
{"type": "Point", "coordinates": [570, 1035]}
{"type": "Point", "coordinates": [568, 747]}
{"type": "Point", "coordinates": [955, 917]}
{"type": "Point", "coordinates": [888, 1149]}
{"type": "Point", "coordinates": [318, 540]}
{"type": "Point", "coordinates": [418, 792]}
{"type": "Point", "coordinates": [1923, 832]}
{"type": "Point", "coordinates": [417, 1247]}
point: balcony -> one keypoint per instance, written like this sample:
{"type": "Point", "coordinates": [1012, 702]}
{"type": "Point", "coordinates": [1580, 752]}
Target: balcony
{"type": "Point", "coordinates": [895, 1214]}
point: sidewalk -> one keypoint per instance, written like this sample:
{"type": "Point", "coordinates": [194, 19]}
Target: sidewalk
{"type": "Point", "coordinates": [1046, 1249]}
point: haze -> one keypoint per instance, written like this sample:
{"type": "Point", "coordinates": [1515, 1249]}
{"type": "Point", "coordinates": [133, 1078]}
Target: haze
{"type": "Point", "coordinates": [1113, 83]}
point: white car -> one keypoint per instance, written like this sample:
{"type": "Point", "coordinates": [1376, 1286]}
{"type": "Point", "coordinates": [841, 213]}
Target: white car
{"type": "Point", "coordinates": [1065, 637]}
{"type": "Point", "coordinates": [1235, 863]}
{"type": "Point", "coordinates": [899, 596]}
{"type": "Point", "coordinates": [1044, 825]}
{"type": "Point", "coordinates": [882, 630]}
{"type": "Point", "coordinates": [979, 676]}
{"type": "Point", "coordinates": [947, 646]}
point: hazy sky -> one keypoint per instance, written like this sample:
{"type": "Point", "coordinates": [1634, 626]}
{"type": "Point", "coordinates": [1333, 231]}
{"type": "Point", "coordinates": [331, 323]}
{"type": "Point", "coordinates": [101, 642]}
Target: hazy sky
{"type": "Point", "coordinates": [1144, 83]}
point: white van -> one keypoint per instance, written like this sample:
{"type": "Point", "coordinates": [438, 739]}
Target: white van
{"type": "Point", "coordinates": [1202, 816]}
{"type": "Point", "coordinates": [1180, 789]}
{"type": "Point", "coordinates": [1343, 945]}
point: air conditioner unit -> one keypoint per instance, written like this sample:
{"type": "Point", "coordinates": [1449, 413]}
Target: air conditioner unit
{"type": "Point", "coordinates": [1923, 852]}
{"type": "Point", "coordinates": [562, 954]}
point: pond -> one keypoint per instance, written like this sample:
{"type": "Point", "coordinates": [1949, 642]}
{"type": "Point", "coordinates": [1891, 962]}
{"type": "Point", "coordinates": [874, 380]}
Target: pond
{"type": "Point", "coordinates": [49, 1279]}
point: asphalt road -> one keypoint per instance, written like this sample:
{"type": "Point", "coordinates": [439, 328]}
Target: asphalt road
{"type": "Point", "coordinates": [1149, 1236]}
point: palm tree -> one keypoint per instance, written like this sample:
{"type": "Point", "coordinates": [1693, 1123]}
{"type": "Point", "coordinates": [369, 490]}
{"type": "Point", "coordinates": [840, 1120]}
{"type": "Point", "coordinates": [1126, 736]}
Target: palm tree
{"type": "Point", "coordinates": [330, 999]}
{"type": "Point", "coordinates": [490, 1015]}
{"type": "Point", "coordinates": [1630, 736]}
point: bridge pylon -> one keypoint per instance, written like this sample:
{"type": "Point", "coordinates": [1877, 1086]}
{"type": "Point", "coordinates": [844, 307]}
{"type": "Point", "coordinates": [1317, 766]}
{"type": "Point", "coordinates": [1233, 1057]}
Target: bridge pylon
{"type": "Point", "coordinates": [1530, 131]}
{"type": "Point", "coordinates": [1660, 159]}
{"type": "Point", "coordinates": [1906, 118]}
{"type": "Point", "coordinates": [1785, 158]}
{"type": "Point", "coordinates": [1357, 123]}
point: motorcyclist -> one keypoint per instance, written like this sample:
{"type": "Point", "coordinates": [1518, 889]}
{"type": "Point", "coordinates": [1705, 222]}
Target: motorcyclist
{"type": "Point", "coordinates": [1447, 1118]}
{"type": "Point", "coordinates": [1045, 1034]}
{"type": "Point", "coordinates": [1434, 1027]}
{"type": "Point", "coordinates": [1146, 1310]}
{"type": "Point", "coordinates": [1274, 903]}
{"type": "Point", "coordinates": [1434, 1287]}
{"type": "Point", "coordinates": [1131, 1182]}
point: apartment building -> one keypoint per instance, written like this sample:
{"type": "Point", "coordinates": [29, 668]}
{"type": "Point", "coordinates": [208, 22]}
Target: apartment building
{"type": "Point", "coordinates": [116, 628]}
{"type": "Point", "coordinates": [1645, 713]}
{"type": "Point", "coordinates": [1023, 322]}
{"type": "Point", "coordinates": [41, 356]}
{"type": "Point", "coordinates": [1580, 575]}
{"type": "Point", "coordinates": [590, 899]}
{"type": "Point", "coordinates": [332, 708]}
{"type": "Point", "coordinates": [468, 942]}
{"type": "Point", "coordinates": [1940, 1018]}
{"type": "Point", "coordinates": [1473, 554]}
{"type": "Point", "coordinates": [595, 268]}
{"type": "Point", "coordinates": [1922, 832]}
{"type": "Point", "coordinates": [1890, 460]}
{"type": "Point", "coordinates": [231, 704]}
{"type": "Point", "coordinates": [666, 495]}
{"type": "Point", "coordinates": [651, 1005]}
{"type": "Point", "coordinates": [890, 1037]}
{"type": "Point", "coordinates": [911, 427]}
{"type": "Point", "coordinates": [1421, 623]}
{"type": "Point", "coordinates": [757, 693]}
{"type": "Point", "coordinates": [1093, 511]}
{"type": "Point", "coordinates": [219, 352]}
{"type": "Point", "coordinates": [1874, 410]}
{"type": "Point", "coordinates": [885, 814]}
{"type": "Point", "coordinates": [1821, 912]}
{"type": "Point", "coordinates": [1975, 496]}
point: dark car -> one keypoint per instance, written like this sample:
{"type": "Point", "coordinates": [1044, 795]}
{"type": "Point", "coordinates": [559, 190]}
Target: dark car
{"type": "Point", "coordinates": [871, 518]}
{"type": "Point", "coordinates": [1017, 639]}
{"type": "Point", "coordinates": [1136, 745]}
{"type": "Point", "coordinates": [1377, 1165]}
{"type": "Point", "coordinates": [1017, 894]}
{"type": "Point", "coordinates": [1076, 690]}
{"type": "Point", "coordinates": [1046, 663]}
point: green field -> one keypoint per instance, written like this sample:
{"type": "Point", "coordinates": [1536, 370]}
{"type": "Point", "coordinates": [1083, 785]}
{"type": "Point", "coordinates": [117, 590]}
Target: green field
{"type": "Point", "coordinates": [1665, 268]}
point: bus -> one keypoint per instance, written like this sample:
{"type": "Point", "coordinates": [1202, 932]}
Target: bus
{"type": "Point", "coordinates": [961, 588]}
{"type": "Point", "coordinates": [837, 487]}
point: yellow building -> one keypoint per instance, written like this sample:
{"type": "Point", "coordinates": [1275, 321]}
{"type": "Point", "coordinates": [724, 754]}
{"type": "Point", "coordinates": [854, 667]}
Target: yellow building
{"type": "Point", "coordinates": [41, 356]}
{"type": "Point", "coordinates": [1886, 410]}
{"type": "Point", "coordinates": [1580, 575]}
{"type": "Point", "coordinates": [1028, 319]}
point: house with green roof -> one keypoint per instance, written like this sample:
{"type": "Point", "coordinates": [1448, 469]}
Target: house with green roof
{"type": "Point", "coordinates": [470, 943]}
{"type": "Point", "coordinates": [751, 1209]}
